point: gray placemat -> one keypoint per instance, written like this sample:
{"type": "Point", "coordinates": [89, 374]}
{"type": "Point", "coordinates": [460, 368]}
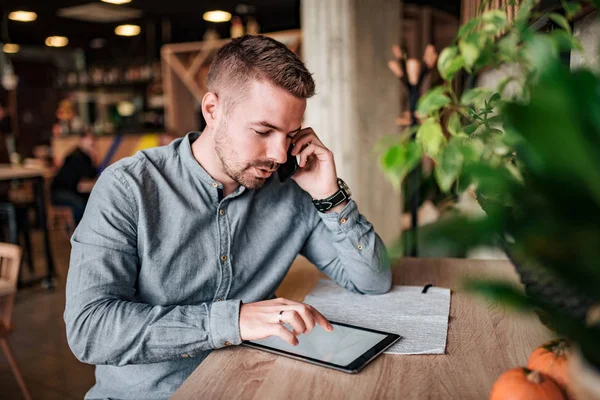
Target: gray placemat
{"type": "Point", "coordinates": [420, 318]}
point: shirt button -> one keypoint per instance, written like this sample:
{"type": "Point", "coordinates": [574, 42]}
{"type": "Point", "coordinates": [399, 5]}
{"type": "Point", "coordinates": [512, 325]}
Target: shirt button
{"type": "Point", "coordinates": [219, 299]}
{"type": "Point", "coordinates": [222, 212]}
{"type": "Point", "coordinates": [343, 220]}
{"type": "Point", "coordinates": [185, 355]}
{"type": "Point", "coordinates": [360, 246]}
{"type": "Point", "coordinates": [215, 184]}
{"type": "Point", "coordinates": [228, 343]}
{"type": "Point", "coordinates": [223, 258]}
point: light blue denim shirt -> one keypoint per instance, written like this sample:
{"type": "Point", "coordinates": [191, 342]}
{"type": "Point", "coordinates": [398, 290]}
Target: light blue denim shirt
{"type": "Point", "coordinates": [161, 262]}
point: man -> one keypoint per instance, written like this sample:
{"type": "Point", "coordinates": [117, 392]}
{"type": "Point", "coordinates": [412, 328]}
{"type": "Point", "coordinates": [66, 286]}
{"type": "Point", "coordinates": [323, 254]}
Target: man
{"type": "Point", "coordinates": [5, 134]}
{"type": "Point", "coordinates": [77, 166]}
{"type": "Point", "coordinates": [181, 245]}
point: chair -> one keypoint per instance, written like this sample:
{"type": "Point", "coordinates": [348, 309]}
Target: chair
{"type": "Point", "coordinates": [10, 261]}
{"type": "Point", "coordinates": [58, 217]}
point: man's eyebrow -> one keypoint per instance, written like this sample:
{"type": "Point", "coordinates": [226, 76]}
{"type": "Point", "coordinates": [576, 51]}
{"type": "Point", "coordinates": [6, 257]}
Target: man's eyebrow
{"type": "Point", "coordinates": [270, 125]}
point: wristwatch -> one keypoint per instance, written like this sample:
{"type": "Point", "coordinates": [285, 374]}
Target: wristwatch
{"type": "Point", "coordinates": [338, 197]}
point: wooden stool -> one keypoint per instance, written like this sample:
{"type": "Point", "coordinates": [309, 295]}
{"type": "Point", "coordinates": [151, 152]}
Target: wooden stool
{"type": "Point", "coordinates": [10, 261]}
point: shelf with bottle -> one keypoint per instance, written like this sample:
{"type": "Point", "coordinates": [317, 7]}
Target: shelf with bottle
{"type": "Point", "coordinates": [139, 75]}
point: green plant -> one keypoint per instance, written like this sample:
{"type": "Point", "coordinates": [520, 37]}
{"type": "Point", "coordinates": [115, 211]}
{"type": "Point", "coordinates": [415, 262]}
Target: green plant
{"type": "Point", "coordinates": [459, 130]}
{"type": "Point", "coordinates": [533, 156]}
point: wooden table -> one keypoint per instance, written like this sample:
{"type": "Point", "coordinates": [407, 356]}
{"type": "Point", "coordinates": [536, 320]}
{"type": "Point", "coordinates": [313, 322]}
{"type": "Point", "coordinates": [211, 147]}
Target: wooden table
{"type": "Point", "coordinates": [483, 341]}
{"type": "Point", "coordinates": [37, 176]}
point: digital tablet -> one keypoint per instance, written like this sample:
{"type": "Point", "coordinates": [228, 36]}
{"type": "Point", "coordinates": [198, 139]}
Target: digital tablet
{"type": "Point", "coordinates": [348, 348]}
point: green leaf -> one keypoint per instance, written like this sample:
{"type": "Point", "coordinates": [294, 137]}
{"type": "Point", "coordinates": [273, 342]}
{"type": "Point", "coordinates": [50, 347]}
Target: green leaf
{"type": "Point", "coordinates": [414, 154]}
{"type": "Point", "coordinates": [571, 9]}
{"type": "Point", "coordinates": [494, 21]}
{"type": "Point", "coordinates": [399, 159]}
{"type": "Point", "coordinates": [507, 47]}
{"type": "Point", "coordinates": [454, 126]}
{"type": "Point", "coordinates": [468, 27]}
{"type": "Point", "coordinates": [495, 98]}
{"type": "Point", "coordinates": [470, 48]}
{"type": "Point", "coordinates": [500, 292]}
{"type": "Point", "coordinates": [524, 13]}
{"type": "Point", "coordinates": [433, 101]}
{"type": "Point", "coordinates": [470, 129]}
{"type": "Point", "coordinates": [449, 166]}
{"type": "Point", "coordinates": [560, 21]}
{"type": "Point", "coordinates": [393, 156]}
{"type": "Point", "coordinates": [540, 51]}
{"type": "Point", "coordinates": [476, 96]}
{"type": "Point", "coordinates": [564, 41]}
{"type": "Point", "coordinates": [450, 62]}
{"type": "Point", "coordinates": [431, 137]}
{"type": "Point", "coordinates": [504, 83]}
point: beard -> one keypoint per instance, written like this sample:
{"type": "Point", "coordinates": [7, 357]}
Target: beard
{"type": "Point", "coordinates": [241, 172]}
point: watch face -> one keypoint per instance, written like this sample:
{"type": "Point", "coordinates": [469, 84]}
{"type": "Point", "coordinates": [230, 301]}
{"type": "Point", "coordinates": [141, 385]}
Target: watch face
{"type": "Point", "coordinates": [344, 187]}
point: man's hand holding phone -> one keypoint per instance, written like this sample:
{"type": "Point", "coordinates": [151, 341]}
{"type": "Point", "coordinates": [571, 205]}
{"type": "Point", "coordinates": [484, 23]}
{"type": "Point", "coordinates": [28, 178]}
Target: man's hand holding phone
{"type": "Point", "coordinates": [316, 173]}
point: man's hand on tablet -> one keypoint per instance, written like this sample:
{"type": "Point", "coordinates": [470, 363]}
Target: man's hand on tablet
{"type": "Point", "coordinates": [266, 318]}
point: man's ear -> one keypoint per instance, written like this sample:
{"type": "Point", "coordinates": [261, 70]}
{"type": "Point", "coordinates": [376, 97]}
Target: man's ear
{"type": "Point", "coordinates": [210, 108]}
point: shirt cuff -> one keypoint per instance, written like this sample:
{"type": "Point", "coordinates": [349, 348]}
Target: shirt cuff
{"type": "Point", "coordinates": [225, 323]}
{"type": "Point", "coordinates": [343, 221]}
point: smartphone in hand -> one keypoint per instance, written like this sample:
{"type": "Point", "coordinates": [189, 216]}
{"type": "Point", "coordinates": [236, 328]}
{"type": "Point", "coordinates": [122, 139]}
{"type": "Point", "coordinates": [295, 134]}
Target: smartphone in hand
{"type": "Point", "coordinates": [288, 169]}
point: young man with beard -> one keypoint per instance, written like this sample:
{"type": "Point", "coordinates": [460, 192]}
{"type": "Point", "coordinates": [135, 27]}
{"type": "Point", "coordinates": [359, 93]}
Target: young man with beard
{"type": "Point", "coordinates": [182, 247]}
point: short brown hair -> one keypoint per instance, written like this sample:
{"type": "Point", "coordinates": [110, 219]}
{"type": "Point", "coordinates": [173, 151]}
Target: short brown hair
{"type": "Point", "coordinates": [249, 58]}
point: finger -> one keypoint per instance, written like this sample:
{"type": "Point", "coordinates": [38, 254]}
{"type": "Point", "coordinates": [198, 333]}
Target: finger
{"type": "Point", "coordinates": [320, 152]}
{"type": "Point", "coordinates": [303, 139]}
{"type": "Point", "coordinates": [320, 319]}
{"type": "Point", "coordinates": [285, 334]}
{"type": "Point", "coordinates": [302, 311]}
{"type": "Point", "coordinates": [304, 154]}
{"type": "Point", "coordinates": [293, 318]}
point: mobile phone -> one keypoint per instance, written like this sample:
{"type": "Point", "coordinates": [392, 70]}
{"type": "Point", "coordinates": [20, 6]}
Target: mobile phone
{"type": "Point", "coordinates": [287, 169]}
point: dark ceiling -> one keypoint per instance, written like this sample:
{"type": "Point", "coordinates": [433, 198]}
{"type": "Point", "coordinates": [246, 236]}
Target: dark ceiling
{"type": "Point", "coordinates": [184, 17]}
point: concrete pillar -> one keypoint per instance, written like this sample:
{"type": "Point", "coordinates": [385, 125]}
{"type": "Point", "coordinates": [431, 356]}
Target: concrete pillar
{"type": "Point", "coordinates": [346, 45]}
{"type": "Point", "coordinates": [587, 31]}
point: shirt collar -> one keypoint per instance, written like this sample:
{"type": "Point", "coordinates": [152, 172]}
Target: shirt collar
{"type": "Point", "coordinates": [185, 151]}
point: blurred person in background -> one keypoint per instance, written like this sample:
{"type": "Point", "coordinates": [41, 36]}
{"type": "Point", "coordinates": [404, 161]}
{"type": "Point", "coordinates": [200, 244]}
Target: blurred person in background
{"type": "Point", "coordinates": [5, 134]}
{"type": "Point", "coordinates": [78, 166]}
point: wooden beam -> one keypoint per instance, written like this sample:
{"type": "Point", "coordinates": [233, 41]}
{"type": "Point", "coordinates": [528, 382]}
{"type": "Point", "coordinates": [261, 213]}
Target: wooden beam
{"type": "Point", "coordinates": [179, 103]}
{"type": "Point", "coordinates": [282, 36]}
{"type": "Point", "coordinates": [198, 61]}
{"type": "Point", "coordinates": [181, 72]}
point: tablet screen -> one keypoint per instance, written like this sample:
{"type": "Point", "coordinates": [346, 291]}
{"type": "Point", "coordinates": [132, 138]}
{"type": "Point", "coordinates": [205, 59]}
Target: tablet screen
{"type": "Point", "coordinates": [340, 347]}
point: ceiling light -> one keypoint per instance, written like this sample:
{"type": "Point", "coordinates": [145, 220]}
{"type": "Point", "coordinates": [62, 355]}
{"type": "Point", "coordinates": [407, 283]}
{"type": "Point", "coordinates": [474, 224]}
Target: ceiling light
{"type": "Point", "coordinates": [117, 1]}
{"type": "Point", "coordinates": [22, 16]}
{"type": "Point", "coordinates": [11, 48]}
{"type": "Point", "coordinates": [125, 108]}
{"type": "Point", "coordinates": [56, 41]}
{"type": "Point", "coordinates": [127, 30]}
{"type": "Point", "coordinates": [216, 16]}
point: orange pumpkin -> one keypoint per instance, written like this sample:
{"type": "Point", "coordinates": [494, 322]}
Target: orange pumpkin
{"type": "Point", "coordinates": [524, 384]}
{"type": "Point", "coordinates": [551, 359]}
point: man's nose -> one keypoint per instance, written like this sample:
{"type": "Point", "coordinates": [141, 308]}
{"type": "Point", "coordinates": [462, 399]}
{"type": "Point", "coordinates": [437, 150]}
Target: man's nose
{"type": "Point", "coordinates": [277, 150]}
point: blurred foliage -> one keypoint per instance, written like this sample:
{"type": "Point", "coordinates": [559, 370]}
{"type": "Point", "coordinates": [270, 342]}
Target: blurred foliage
{"type": "Point", "coordinates": [532, 153]}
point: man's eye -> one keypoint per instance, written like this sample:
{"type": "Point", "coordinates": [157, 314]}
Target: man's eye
{"type": "Point", "coordinates": [261, 133]}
